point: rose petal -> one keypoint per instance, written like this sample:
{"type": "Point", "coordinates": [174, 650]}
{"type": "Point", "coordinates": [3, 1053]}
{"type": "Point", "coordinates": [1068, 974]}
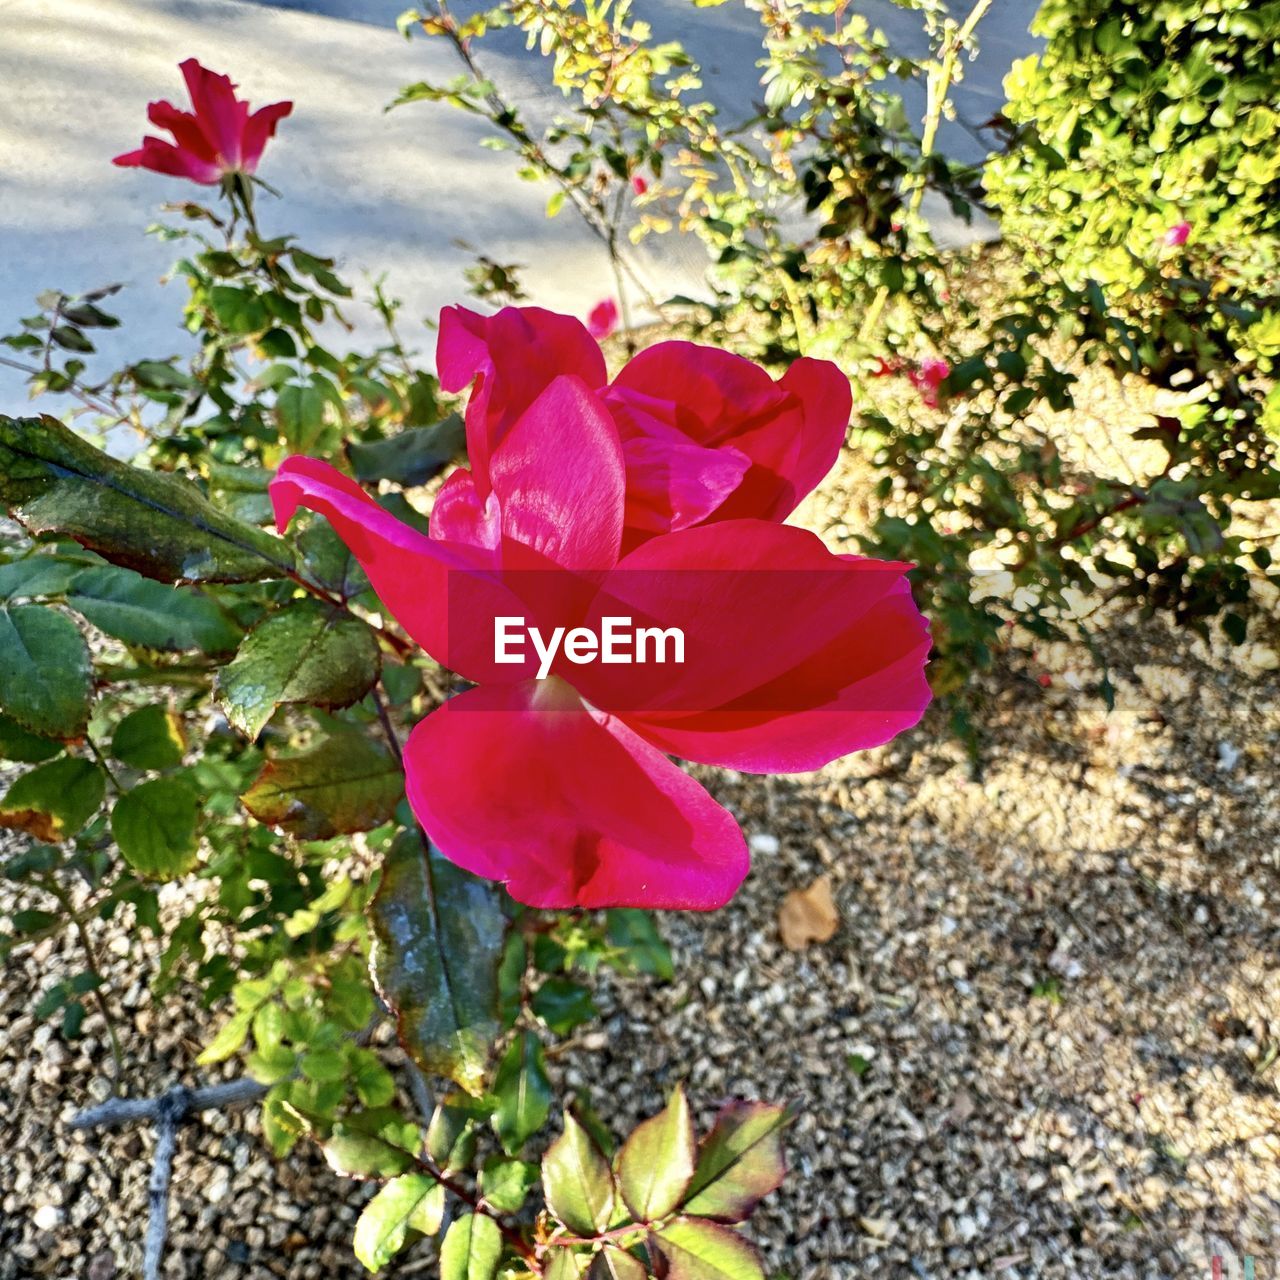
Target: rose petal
{"type": "Point", "coordinates": [792, 656]}
{"type": "Point", "coordinates": [259, 129]}
{"type": "Point", "coordinates": [221, 115]}
{"type": "Point", "coordinates": [559, 478]}
{"type": "Point", "coordinates": [521, 783]}
{"type": "Point", "coordinates": [513, 357]}
{"type": "Point", "coordinates": [409, 571]}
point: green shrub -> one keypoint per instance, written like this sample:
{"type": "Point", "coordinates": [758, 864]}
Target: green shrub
{"type": "Point", "coordinates": [1139, 117]}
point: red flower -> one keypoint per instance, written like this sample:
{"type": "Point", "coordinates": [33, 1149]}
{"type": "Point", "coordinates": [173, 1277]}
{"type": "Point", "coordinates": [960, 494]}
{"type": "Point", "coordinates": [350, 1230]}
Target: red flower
{"type": "Point", "coordinates": [221, 136]}
{"type": "Point", "coordinates": [705, 435]}
{"type": "Point", "coordinates": [603, 319]}
{"type": "Point", "coordinates": [1177, 235]}
{"type": "Point", "coordinates": [927, 378]}
{"type": "Point", "coordinates": [639, 185]}
{"type": "Point", "coordinates": [551, 775]}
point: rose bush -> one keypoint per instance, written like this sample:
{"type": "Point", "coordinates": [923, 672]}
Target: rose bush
{"type": "Point", "coordinates": [192, 698]}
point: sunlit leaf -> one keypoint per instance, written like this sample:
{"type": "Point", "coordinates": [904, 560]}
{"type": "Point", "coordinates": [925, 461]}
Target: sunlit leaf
{"type": "Point", "coordinates": [344, 783]}
{"type": "Point", "coordinates": [739, 1162]}
{"type": "Point", "coordinates": [54, 800]}
{"type": "Point", "coordinates": [506, 1183]}
{"type": "Point", "coordinates": [656, 1162]}
{"type": "Point", "coordinates": [386, 1219]}
{"type": "Point", "coordinates": [577, 1180]}
{"type": "Point", "coordinates": [696, 1249]}
{"type": "Point", "coordinates": [472, 1249]}
{"type": "Point", "coordinates": [306, 653]}
{"type": "Point", "coordinates": [378, 1143]}
{"type": "Point", "coordinates": [615, 1264]}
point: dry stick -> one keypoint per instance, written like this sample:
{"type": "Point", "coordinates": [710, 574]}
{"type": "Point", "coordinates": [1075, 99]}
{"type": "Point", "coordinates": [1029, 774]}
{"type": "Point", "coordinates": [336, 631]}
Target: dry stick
{"type": "Point", "coordinates": [168, 1110]}
{"type": "Point", "coordinates": [939, 87]}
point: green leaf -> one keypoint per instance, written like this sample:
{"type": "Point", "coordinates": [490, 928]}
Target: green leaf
{"type": "Point", "coordinates": [138, 611]}
{"type": "Point", "coordinates": [32, 860]}
{"type": "Point", "coordinates": [515, 959]}
{"type": "Point", "coordinates": [696, 1249]}
{"type": "Point", "coordinates": [438, 935]}
{"type": "Point", "coordinates": [412, 457]}
{"type": "Point", "coordinates": [306, 653]}
{"type": "Point", "coordinates": [155, 826]}
{"type": "Point", "coordinates": [54, 800]}
{"type": "Point", "coordinates": [615, 1264]}
{"type": "Point", "coordinates": [45, 679]}
{"type": "Point", "coordinates": [344, 783]}
{"type": "Point", "coordinates": [739, 1163]}
{"type": "Point", "coordinates": [634, 932]}
{"type": "Point", "coordinates": [231, 1035]}
{"type": "Point", "coordinates": [160, 524]}
{"type": "Point", "coordinates": [656, 1162]}
{"type": "Point", "coordinates": [328, 560]}
{"type": "Point", "coordinates": [563, 1005]}
{"type": "Point", "coordinates": [16, 743]}
{"type": "Point", "coordinates": [382, 1227]}
{"type": "Point", "coordinates": [506, 1183]}
{"type": "Point", "coordinates": [523, 1092]}
{"type": "Point", "coordinates": [324, 1065]}
{"type": "Point", "coordinates": [565, 1264]}
{"type": "Point", "coordinates": [451, 1140]}
{"type": "Point", "coordinates": [150, 738]}
{"type": "Point", "coordinates": [372, 1145]}
{"type": "Point", "coordinates": [577, 1181]}
{"type": "Point", "coordinates": [300, 408]}
{"type": "Point", "coordinates": [472, 1249]}
{"type": "Point", "coordinates": [36, 575]}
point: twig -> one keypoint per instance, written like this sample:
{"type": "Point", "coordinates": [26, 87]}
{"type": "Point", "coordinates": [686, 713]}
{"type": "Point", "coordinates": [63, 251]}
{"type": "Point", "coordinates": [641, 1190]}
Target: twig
{"type": "Point", "coordinates": [180, 1102]}
{"type": "Point", "coordinates": [938, 89]}
{"type": "Point", "coordinates": [51, 885]}
{"type": "Point", "coordinates": [170, 1110]}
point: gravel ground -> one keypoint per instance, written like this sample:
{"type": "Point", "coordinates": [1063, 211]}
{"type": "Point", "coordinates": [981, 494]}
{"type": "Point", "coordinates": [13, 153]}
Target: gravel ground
{"type": "Point", "coordinates": [1039, 1045]}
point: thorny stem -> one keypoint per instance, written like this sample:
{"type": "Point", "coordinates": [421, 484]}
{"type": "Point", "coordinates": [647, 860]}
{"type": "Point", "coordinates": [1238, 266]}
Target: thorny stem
{"type": "Point", "coordinates": [73, 388]}
{"type": "Point", "coordinates": [617, 1233]}
{"type": "Point", "coordinates": [103, 765]}
{"type": "Point", "coordinates": [939, 87]}
{"type": "Point", "coordinates": [472, 1201]}
{"type": "Point", "coordinates": [1079, 530]}
{"type": "Point", "coordinates": [503, 116]}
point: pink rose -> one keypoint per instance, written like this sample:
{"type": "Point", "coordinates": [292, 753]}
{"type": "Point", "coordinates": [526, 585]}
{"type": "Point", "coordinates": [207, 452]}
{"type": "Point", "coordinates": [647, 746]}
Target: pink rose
{"type": "Point", "coordinates": [220, 137]}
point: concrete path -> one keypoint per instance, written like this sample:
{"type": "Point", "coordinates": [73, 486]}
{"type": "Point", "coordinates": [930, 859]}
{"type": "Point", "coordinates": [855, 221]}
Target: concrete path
{"type": "Point", "coordinates": [384, 193]}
